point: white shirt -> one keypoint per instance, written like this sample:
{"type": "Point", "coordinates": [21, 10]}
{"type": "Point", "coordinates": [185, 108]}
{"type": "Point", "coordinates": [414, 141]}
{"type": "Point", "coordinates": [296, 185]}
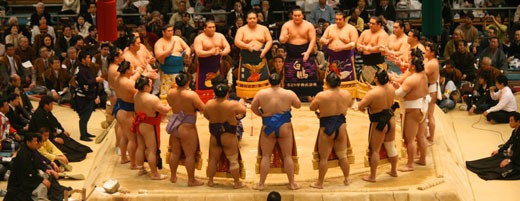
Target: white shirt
{"type": "Point", "coordinates": [506, 102]}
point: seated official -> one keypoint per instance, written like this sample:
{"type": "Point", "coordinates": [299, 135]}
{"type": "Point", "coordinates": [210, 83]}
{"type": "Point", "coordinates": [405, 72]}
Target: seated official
{"type": "Point", "coordinates": [49, 150]}
{"type": "Point", "coordinates": [498, 57]}
{"type": "Point", "coordinates": [480, 100]}
{"type": "Point", "coordinates": [463, 60]}
{"type": "Point", "coordinates": [506, 102]}
{"type": "Point", "coordinates": [31, 178]}
{"type": "Point", "coordinates": [43, 117]}
{"type": "Point", "coordinates": [57, 81]}
{"type": "Point", "coordinates": [449, 91]}
{"type": "Point", "coordinates": [15, 117]}
{"type": "Point", "coordinates": [486, 67]}
{"type": "Point", "coordinates": [504, 163]}
{"type": "Point", "coordinates": [9, 136]}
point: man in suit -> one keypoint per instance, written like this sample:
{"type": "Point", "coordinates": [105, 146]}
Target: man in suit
{"type": "Point", "coordinates": [13, 65]}
{"type": "Point", "coordinates": [40, 65]}
{"type": "Point", "coordinates": [100, 67]}
{"type": "Point", "coordinates": [65, 40]}
{"type": "Point", "coordinates": [236, 13]}
{"type": "Point", "coordinates": [24, 51]}
{"type": "Point", "coordinates": [17, 122]}
{"type": "Point", "coordinates": [386, 9]}
{"type": "Point", "coordinates": [71, 61]}
{"type": "Point", "coordinates": [269, 16]}
{"type": "Point", "coordinates": [57, 81]}
{"type": "Point", "coordinates": [25, 103]}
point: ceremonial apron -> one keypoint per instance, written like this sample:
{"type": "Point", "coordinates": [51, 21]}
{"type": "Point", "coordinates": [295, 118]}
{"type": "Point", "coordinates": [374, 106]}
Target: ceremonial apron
{"type": "Point", "coordinates": [301, 77]}
{"type": "Point", "coordinates": [253, 74]}
{"type": "Point", "coordinates": [208, 68]}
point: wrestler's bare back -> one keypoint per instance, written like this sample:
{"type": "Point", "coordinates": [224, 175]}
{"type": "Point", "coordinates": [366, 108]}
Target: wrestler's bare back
{"type": "Point", "coordinates": [275, 101]}
{"type": "Point", "coordinates": [298, 34]}
{"type": "Point", "coordinates": [149, 104]}
{"type": "Point", "coordinates": [220, 111]}
{"type": "Point", "coordinates": [184, 100]}
{"type": "Point", "coordinates": [112, 75]}
{"type": "Point", "coordinates": [332, 102]}
{"type": "Point", "coordinates": [378, 98]}
{"type": "Point", "coordinates": [431, 67]}
{"type": "Point", "coordinates": [125, 89]}
{"type": "Point", "coordinates": [416, 86]}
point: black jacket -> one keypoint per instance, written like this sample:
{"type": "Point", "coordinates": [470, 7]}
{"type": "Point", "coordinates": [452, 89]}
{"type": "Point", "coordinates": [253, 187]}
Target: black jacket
{"type": "Point", "coordinates": [24, 175]}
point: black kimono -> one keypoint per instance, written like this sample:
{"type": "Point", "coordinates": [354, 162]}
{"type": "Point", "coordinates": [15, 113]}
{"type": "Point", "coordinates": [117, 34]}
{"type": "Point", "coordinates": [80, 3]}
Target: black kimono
{"type": "Point", "coordinates": [73, 150]}
{"type": "Point", "coordinates": [489, 168]}
{"type": "Point", "coordinates": [24, 175]}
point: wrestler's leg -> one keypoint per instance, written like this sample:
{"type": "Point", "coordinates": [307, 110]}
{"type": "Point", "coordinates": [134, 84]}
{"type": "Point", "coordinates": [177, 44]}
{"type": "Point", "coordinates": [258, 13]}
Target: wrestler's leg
{"type": "Point", "coordinates": [389, 137]}
{"type": "Point", "coordinates": [422, 142]}
{"type": "Point", "coordinates": [286, 145]}
{"type": "Point", "coordinates": [267, 144]}
{"type": "Point", "coordinates": [123, 140]}
{"type": "Point", "coordinates": [376, 141]}
{"type": "Point", "coordinates": [132, 139]}
{"type": "Point", "coordinates": [325, 143]}
{"type": "Point", "coordinates": [139, 153]}
{"type": "Point", "coordinates": [411, 120]}
{"type": "Point", "coordinates": [431, 118]}
{"type": "Point", "coordinates": [340, 146]}
{"type": "Point", "coordinates": [230, 143]}
{"type": "Point", "coordinates": [190, 141]}
{"type": "Point", "coordinates": [150, 141]}
{"type": "Point", "coordinates": [175, 155]}
{"type": "Point", "coordinates": [214, 155]}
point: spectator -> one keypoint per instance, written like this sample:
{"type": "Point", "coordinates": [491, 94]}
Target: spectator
{"type": "Point", "coordinates": [47, 42]}
{"type": "Point", "coordinates": [40, 12]}
{"type": "Point", "coordinates": [486, 67]}
{"type": "Point", "coordinates": [188, 31]}
{"type": "Point", "coordinates": [514, 48]}
{"type": "Point", "coordinates": [238, 23]}
{"type": "Point", "coordinates": [386, 9]}
{"type": "Point", "coordinates": [86, 94]}
{"type": "Point", "coordinates": [70, 61]}
{"type": "Point", "coordinates": [43, 117]}
{"type": "Point", "coordinates": [176, 4]}
{"type": "Point", "coordinates": [65, 40]}
{"type": "Point", "coordinates": [147, 38]}
{"type": "Point", "coordinates": [91, 41]}
{"type": "Point", "coordinates": [16, 120]}
{"type": "Point", "coordinates": [281, 52]}
{"type": "Point", "coordinates": [498, 57]}
{"type": "Point", "coordinates": [269, 17]}
{"type": "Point", "coordinates": [361, 5]}
{"type": "Point", "coordinates": [177, 16]}
{"type": "Point", "coordinates": [22, 114]}
{"type": "Point", "coordinates": [163, 6]}
{"type": "Point", "coordinates": [500, 29]}
{"type": "Point", "coordinates": [91, 15]}
{"type": "Point", "coordinates": [448, 90]}
{"type": "Point", "coordinates": [24, 51]}
{"type": "Point", "coordinates": [463, 60]}
{"type": "Point", "coordinates": [354, 15]}
{"type": "Point", "coordinates": [237, 12]}
{"type": "Point", "coordinates": [322, 11]}
{"type": "Point", "coordinates": [278, 65]}
{"type": "Point", "coordinates": [407, 27]}
{"type": "Point", "coordinates": [13, 65]}
{"type": "Point", "coordinates": [451, 46]}
{"type": "Point", "coordinates": [470, 32]}
{"type": "Point", "coordinates": [13, 21]}
{"type": "Point", "coordinates": [70, 7]}
{"type": "Point", "coordinates": [9, 135]}
{"type": "Point", "coordinates": [57, 81]}
{"type": "Point", "coordinates": [82, 26]}
{"type": "Point", "coordinates": [49, 150]}
{"type": "Point", "coordinates": [25, 103]}
{"type": "Point", "coordinates": [14, 37]}
{"type": "Point", "coordinates": [484, 43]}
{"type": "Point", "coordinates": [452, 73]}
{"type": "Point", "coordinates": [42, 28]}
{"type": "Point", "coordinates": [40, 65]}
{"type": "Point", "coordinates": [79, 43]}
{"type": "Point", "coordinates": [480, 100]}
{"type": "Point", "coordinates": [122, 38]}
{"type": "Point", "coordinates": [156, 23]}
{"type": "Point", "coordinates": [506, 102]}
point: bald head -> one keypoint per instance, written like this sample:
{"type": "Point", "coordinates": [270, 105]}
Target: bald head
{"type": "Point", "coordinates": [15, 80]}
{"type": "Point", "coordinates": [486, 62]}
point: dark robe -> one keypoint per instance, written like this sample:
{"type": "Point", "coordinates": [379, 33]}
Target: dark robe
{"type": "Point", "coordinates": [24, 176]}
{"type": "Point", "coordinates": [489, 168]}
{"type": "Point", "coordinates": [72, 149]}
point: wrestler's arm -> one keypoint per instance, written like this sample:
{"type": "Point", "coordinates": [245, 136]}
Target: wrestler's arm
{"type": "Point", "coordinates": [238, 40]}
{"type": "Point", "coordinates": [197, 103]}
{"type": "Point", "coordinates": [185, 47]}
{"type": "Point", "coordinates": [160, 53]}
{"type": "Point", "coordinates": [240, 108]}
{"type": "Point", "coordinates": [268, 42]}
{"type": "Point", "coordinates": [312, 38]}
{"type": "Point", "coordinates": [359, 42]}
{"type": "Point", "coordinates": [315, 104]}
{"type": "Point", "coordinates": [225, 44]}
{"type": "Point", "coordinates": [324, 40]}
{"type": "Point", "coordinates": [284, 34]}
{"type": "Point", "coordinates": [159, 107]}
{"type": "Point", "coordinates": [197, 46]}
{"type": "Point", "coordinates": [404, 89]}
{"type": "Point", "coordinates": [365, 102]}
{"type": "Point", "coordinates": [205, 113]}
{"type": "Point", "coordinates": [255, 105]}
{"type": "Point", "coordinates": [295, 100]}
{"type": "Point", "coordinates": [381, 39]}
